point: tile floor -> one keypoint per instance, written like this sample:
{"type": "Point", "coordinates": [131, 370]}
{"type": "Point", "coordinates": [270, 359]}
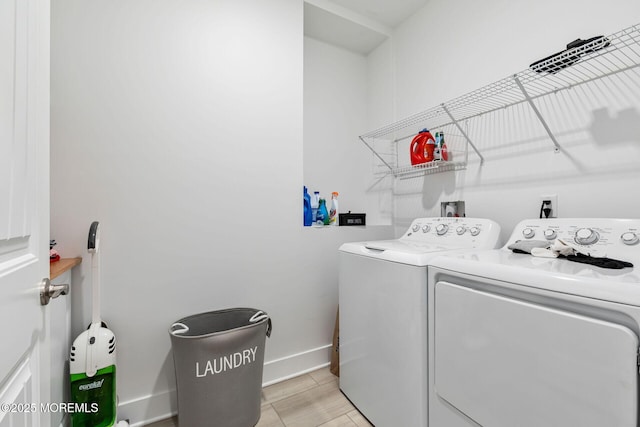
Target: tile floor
{"type": "Point", "coordinates": [310, 400]}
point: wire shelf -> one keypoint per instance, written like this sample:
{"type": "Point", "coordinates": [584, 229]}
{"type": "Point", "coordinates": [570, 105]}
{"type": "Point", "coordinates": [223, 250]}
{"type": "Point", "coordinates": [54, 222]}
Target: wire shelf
{"type": "Point", "coordinates": [405, 172]}
{"type": "Point", "coordinates": [593, 60]}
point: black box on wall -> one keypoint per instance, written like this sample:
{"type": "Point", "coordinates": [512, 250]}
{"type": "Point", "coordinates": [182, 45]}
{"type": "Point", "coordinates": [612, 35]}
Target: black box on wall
{"type": "Point", "coordinates": [352, 219]}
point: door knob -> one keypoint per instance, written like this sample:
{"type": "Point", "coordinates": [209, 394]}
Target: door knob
{"type": "Point", "coordinates": [48, 291]}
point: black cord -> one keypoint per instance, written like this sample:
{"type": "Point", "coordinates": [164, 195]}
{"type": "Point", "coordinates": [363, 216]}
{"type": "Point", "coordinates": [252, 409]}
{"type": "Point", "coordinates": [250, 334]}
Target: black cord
{"type": "Point", "coordinates": [547, 211]}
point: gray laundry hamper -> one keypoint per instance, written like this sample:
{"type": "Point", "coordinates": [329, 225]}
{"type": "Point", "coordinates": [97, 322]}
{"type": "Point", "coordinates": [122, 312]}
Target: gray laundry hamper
{"type": "Point", "coordinates": [218, 358]}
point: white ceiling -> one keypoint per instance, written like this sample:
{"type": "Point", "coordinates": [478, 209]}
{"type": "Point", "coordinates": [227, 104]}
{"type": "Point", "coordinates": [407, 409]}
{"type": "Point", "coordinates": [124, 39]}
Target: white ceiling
{"type": "Point", "coordinates": [357, 25]}
{"type": "Point", "coordinates": [387, 12]}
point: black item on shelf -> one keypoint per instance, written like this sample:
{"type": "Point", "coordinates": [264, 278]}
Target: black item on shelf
{"type": "Point", "coordinates": [352, 219]}
{"type": "Point", "coordinates": [558, 61]}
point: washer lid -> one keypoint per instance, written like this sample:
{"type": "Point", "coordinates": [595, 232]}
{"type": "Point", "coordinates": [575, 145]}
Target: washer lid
{"type": "Point", "coordinates": [400, 251]}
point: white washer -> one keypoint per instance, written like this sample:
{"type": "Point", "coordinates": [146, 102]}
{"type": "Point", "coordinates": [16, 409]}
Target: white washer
{"type": "Point", "coordinates": [517, 340]}
{"type": "Point", "coordinates": [383, 316]}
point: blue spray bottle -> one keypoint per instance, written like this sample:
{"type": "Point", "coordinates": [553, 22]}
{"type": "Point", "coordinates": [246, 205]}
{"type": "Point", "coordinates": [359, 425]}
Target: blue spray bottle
{"type": "Point", "coordinates": [307, 208]}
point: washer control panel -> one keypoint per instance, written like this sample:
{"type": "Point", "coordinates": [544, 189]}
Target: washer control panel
{"type": "Point", "coordinates": [467, 232]}
{"type": "Point", "coordinates": [595, 236]}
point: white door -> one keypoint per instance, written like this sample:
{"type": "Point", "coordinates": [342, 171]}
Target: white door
{"type": "Point", "coordinates": [24, 211]}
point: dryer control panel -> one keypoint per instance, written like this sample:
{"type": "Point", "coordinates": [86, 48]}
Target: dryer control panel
{"type": "Point", "coordinates": [451, 231]}
{"type": "Point", "coordinates": [600, 237]}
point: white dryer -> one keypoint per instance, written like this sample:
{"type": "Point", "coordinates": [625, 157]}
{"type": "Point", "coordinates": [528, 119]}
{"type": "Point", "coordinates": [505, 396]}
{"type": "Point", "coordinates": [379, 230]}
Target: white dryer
{"type": "Point", "coordinates": [518, 340]}
{"type": "Point", "coordinates": [383, 315]}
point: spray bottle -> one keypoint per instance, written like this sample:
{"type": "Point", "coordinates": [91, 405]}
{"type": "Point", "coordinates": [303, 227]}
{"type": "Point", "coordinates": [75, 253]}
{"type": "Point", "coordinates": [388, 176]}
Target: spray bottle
{"type": "Point", "coordinates": [315, 204]}
{"type": "Point", "coordinates": [436, 149]}
{"type": "Point", "coordinates": [322, 217]}
{"type": "Point", "coordinates": [307, 208]}
{"type": "Point", "coordinates": [444, 151]}
{"type": "Point", "coordinates": [333, 212]}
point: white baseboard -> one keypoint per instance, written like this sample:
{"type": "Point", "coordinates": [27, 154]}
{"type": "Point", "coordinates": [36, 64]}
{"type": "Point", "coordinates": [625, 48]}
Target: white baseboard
{"type": "Point", "coordinates": [149, 409]}
{"type": "Point", "coordinates": [161, 405]}
{"type": "Point", "coordinates": [294, 365]}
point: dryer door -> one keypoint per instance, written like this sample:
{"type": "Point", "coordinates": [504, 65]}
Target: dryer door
{"type": "Point", "coordinates": [505, 362]}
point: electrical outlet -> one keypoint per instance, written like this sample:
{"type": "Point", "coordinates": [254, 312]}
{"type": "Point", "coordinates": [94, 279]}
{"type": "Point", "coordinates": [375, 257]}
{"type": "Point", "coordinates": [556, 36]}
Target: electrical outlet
{"type": "Point", "coordinates": [553, 205]}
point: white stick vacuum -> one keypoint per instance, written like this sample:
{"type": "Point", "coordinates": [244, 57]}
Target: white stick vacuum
{"type": "Point", "coordinates": [93, 359]}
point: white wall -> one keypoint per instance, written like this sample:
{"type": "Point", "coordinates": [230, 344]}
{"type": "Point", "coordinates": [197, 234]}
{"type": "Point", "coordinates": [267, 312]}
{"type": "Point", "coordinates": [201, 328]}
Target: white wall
{"type": "Point", "coordinates": [449, 49]}
{"type": "Point", "coordinates": [335, 113]}
{"type": "Point", "coordinates": [179, 127]}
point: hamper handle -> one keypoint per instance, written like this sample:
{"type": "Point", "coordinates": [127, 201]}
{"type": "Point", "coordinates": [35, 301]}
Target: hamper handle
{"type": "Point", "coordinates": [259, 316]}
{"type": "Point", "coordinates": [184, 329]}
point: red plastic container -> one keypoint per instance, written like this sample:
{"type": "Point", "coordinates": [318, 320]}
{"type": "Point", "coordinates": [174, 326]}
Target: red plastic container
{"type": "Point", "coordinates": [421, 149]}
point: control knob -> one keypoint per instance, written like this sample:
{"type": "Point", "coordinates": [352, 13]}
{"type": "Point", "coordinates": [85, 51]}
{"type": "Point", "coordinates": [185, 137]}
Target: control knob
{"type": "Point", "coordinates": [550, 234]}
{"type": "Point", "coordinates": [415, 228]}
{"type": "Point", "coordinates": [629, 238]}
{"type": "Point", "coordinates": [474, 231]}
{"type": "Point", "coordinates": [528, 233]}
{"type": "Point", "coordinates": [425, 228]}
{"type": "Point", "coordinates": [441, 229]}
{"type": "Point", "coordinates": [586, 236]}
{"type": "Point", "coordinates": [460, 230]}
